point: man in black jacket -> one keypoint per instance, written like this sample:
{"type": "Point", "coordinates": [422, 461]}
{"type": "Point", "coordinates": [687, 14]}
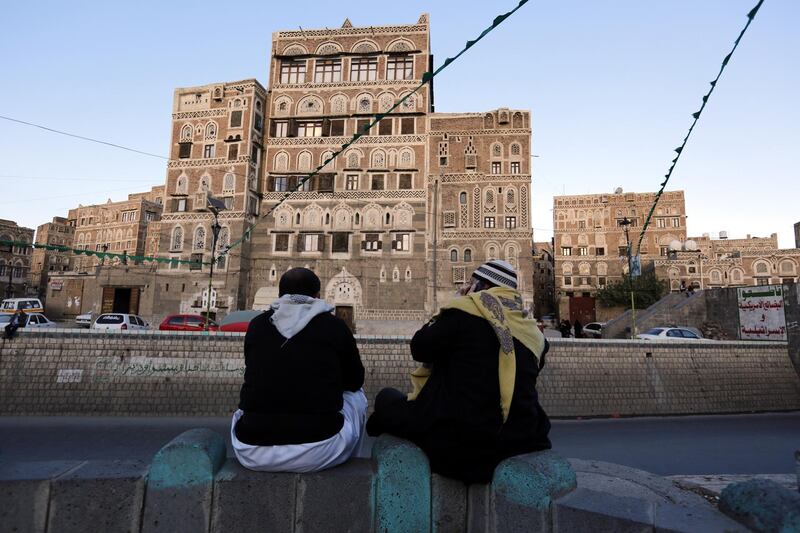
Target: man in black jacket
{"type": "Point", "coordinates": [477, 404]}
{"type": "Point", "coordinates": [301, 406]}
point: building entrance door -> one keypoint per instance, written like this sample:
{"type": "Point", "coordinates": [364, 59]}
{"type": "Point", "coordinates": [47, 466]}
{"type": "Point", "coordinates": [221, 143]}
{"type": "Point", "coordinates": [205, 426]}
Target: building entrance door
{"type": "Point", "coordinates": [581, 308]}
{"type": "Point", "coordinates": [345, 312]}
{"type": "Point", "coordinates": [122, 300]}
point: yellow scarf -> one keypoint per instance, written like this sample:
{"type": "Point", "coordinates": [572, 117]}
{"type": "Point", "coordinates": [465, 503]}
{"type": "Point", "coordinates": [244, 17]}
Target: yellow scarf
{"type": "Point", "coordinates": [502, 308]}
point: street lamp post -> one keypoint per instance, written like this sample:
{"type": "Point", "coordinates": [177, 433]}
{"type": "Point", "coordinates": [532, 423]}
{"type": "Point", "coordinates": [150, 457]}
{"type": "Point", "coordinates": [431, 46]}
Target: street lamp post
{"type": "Point", "coordinates": [626, 223]}
{"type": "Point", "coordinates": [214, 206]}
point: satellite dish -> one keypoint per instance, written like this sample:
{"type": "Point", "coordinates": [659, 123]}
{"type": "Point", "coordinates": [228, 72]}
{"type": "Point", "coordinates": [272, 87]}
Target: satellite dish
{"type": "Point", "coordinates": [690, 246]}
{"type": "Point", "coordinates": [675, 245]}
{"type": "Point", "coordinates": [618, 190]}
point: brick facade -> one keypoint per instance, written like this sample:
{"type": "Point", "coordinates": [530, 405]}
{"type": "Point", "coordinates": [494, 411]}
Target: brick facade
{"type": "Point", "coordinates": [15, 261]}
{"type": "Point", "coordinates": [59, 232]}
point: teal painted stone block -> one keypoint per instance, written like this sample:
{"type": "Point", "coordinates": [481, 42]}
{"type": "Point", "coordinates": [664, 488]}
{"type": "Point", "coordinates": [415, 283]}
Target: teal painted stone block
{"type": "Point", "coordinates": [523, 487]}
{"type": "Point", "coordinates": [762, 505]}
{"type": "Point", "coordinates": [402, 488]}
{"type": "Point", "coordinates": [180, 482]}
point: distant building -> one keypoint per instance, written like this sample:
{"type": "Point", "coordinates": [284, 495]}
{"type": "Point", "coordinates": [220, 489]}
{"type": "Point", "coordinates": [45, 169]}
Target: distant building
{"type": "Point", "coordinates": [591, 247]}
{"type": "Point", "coordinates": [59, 232]}
{"type": "Point", "coordinates": [704, 263]}
{"type": "Point", "coordinates": [543, 279]}
{"type": "Point", "coordinates": [15, 259]}
{"type": "Point", "coordinates": [115, 227]}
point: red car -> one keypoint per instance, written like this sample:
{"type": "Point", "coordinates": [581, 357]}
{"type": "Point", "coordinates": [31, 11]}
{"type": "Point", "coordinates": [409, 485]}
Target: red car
{"type": "Point", "coordinates": [187, 323]}
{"type": "Point", "coordinates": [238, 321]}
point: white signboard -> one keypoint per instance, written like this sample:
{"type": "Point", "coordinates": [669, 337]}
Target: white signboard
{"type": "Point", "coordinates": [761, 315]}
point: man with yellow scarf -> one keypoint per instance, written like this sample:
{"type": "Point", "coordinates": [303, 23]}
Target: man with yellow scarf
{"type": "Point", "coordinates": [474, 400]}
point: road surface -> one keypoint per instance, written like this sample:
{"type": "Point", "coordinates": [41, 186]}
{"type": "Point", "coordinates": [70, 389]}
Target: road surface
{"type": "Point", "coordinates": [728, 444]}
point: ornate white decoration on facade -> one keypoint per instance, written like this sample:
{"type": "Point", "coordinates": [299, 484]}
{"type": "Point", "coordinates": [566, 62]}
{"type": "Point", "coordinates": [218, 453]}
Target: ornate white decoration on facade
{"type": "Point", "coordinates": [342, 217]}
{"type": "Point", "coordinates": [372, 216]}
{"type": "Point", "coordinates": [410, 103]}
{"type": "Point", "coordinates": [310, 105]}
{"type": "Point", "coordinates": [339, 104]}
{"type": "Point", "coordinates": [476, 207]}
{"type": "Point", "coordinates": [406, 158]}
{"type": "Point", "coordinates": [326, 49]}
{"type": "Point", "coordinates": [199, 242]}
{"type": "Point", "coordinates": [523, 202]}
{"type": "Point", "coordinates": [385, 102]}
{"type": "Point", "coordinates": [295, 50]}
{"type": "Point", "coordinates": [304, 161]}
{"type": "Point", "coordinates": [283, 105]}
{"type": "Point", "coordinates": [312, 216]}
{"type": "Point", "coordinates": [378, 159]}
{"type": "Point", "coordinates": [228, 182]}
{"type": "Point", "coordinates": [204, 184]}
{"type": "Point", "coordinates": [181, 186]}
{"type": "Point", "coordinates": [395, 274]}
{"type": "Point", "coordinates": [281, 161]}
{"type": "Point", "coordinates": [187, 133]}
{"type": "Point", "coordinates": [328, 155]}
{"type": "Point", "coordinates": [211, 131]}
{"type": "Point", "coordinates": [400, 45]}
{"type": "Point", "coordinates": [497, 150]}
{"type": "Point", "coordinates": [364, 103]}
{"type": "Point", "coordinates": [515, 149]}
{"type": "Point", "coordinates": [364, 47]}
{"type": "Point", "coordinates": [403, 215]}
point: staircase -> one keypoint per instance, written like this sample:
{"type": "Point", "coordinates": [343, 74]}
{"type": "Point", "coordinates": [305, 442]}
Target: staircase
{"type": "Point", "coordinates": [674, 309]}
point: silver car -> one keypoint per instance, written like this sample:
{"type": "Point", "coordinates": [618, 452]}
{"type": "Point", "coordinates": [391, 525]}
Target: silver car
{"type": "Point", "coordinates": [670, 334]}
{"type": "Point", "coordinates": [29, 320]}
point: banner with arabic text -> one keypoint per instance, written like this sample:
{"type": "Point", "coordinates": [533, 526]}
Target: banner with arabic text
{"type": "Point", "coordinates": [761, 315]}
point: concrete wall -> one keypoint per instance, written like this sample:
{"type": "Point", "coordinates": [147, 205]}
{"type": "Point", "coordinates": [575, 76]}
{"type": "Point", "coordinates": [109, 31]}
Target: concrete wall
{"type": "Point", "coordinates": [164, 373]}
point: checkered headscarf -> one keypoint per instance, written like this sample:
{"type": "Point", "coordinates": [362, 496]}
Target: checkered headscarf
{"type": "Point", "coordinates": [498, 273]}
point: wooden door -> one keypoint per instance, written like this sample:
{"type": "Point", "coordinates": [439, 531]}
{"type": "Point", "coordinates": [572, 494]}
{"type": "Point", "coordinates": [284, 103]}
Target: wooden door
{"type": "Point", "coordinates": [345, 312]}
{"type": "Point", "coordinates": [581, 308]}
{"type": "Point", "coordinates": [108, 300]}
{"type": "Point", "coordinates": [134, 305]}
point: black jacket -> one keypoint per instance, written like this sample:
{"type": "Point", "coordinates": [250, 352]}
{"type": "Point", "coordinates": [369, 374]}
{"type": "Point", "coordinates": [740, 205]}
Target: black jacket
{"type": "Point", "coordinates": [457, 418]}
{"type": "Point", "coordinates": [292, 391]}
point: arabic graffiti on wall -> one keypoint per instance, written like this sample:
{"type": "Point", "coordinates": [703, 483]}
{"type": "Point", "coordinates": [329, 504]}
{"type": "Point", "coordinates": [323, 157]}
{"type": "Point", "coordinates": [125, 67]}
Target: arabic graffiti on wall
{"type": "Point", "coordinates": [106, 368]}
{"type": "Point", "coordinates": [761, 314]}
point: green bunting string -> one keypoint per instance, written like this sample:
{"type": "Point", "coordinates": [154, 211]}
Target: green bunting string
{"type": "Point", "coordinates": [100, 255]}
{"type": "Point", "coordinates": [426, 78]}
{"type": "Point", "coordinates": [696, 116]}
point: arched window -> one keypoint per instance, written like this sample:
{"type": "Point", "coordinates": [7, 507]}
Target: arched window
{"type": "Point", "coordinates": [467, 255]}
{"type": "Point", "coordinates": [182, 185]}
{"type": "Point", "coordinates": [211, 131]}
{"type": "Point", "coordinates": [462, 198]}
{"type": "Point", "coordinates": [761, 268]}
{"type": "Point", "coordinates": [491, 253]}
{"type": "Point", "coordinates": [497, 150]}
{"type": "Point", "coordinates": [228, 182]}
{"type": "Point", "coordinates": [204, 184]}
{"type": "Point", "coordinates": [199, 239]}
{"type": "Point", "coordinates": [453, 256]}
{"type": "Point", "coordinates": [297, 218]}
{"type": "Point", "coordinates": [186, 133]}
{"type": "Point", "coordinates": [510, 199]}
{"type": "Point", "coordinates": [388, 219]}
{"type": "Point", "coordinates": [177, 238]}
{"type": "Point", "coordinates": [515, 149]}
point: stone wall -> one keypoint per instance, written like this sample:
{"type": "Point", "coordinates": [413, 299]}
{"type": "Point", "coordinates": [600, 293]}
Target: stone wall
{"type": "Point", "coordinates": [166, 373]}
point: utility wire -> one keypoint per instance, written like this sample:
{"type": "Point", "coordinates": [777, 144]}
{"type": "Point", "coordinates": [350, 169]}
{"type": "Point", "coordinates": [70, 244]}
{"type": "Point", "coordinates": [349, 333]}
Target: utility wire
{"type": "Point", "coordinates": [53, 130]}
{"type": "Point", "coordinates": [696, 116]}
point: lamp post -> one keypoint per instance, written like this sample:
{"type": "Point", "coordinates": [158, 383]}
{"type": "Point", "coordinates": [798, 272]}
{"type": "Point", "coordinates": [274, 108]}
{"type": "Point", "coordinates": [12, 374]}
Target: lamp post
{"type": "Point", "coordinates": [214, 206]}
{"type": "Point", "coordinates": [626, 224]}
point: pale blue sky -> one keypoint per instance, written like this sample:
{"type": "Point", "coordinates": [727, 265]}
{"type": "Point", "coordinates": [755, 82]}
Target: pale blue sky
{"type": "Point", "coordinates": [611, 85]}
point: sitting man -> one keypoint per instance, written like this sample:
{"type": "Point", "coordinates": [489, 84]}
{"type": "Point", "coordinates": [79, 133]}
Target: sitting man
{"type": "Point", "coordinates": [474, 401]}
{"type": "Point", "coordinates": [301, 406]}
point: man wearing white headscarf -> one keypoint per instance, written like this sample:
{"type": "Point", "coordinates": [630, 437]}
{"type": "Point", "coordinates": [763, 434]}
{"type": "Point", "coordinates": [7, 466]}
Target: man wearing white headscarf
{"type": "Point", "coordinates": [301, 406]}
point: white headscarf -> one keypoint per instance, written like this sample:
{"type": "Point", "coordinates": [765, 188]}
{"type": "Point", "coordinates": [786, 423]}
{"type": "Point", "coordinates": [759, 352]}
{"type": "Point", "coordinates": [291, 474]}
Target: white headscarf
{"type": "Point", "coordinates": [293, 312]}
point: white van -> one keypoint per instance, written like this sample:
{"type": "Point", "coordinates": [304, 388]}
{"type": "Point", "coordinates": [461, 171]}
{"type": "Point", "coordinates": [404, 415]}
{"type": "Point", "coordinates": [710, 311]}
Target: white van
{"type": "Point", "coordinates": [26, 305]}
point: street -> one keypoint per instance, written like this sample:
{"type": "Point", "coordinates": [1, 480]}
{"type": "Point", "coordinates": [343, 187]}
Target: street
{"type": "Point", "coordinates": [720, 444]}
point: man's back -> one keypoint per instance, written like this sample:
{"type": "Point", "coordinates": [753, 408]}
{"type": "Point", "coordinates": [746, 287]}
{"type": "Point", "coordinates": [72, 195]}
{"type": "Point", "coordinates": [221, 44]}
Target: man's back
{"type": "Point", "coordinates": [292, 391]}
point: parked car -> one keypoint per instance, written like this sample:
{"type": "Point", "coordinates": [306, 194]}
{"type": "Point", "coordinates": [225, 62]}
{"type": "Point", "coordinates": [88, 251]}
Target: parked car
{"type": "Point", "coordinates": [549, 321]}
{"type": "Point", "coordinates": [670, 334]}
{"type": "Point", "coordinates": [29, 320]}
{"type": "Point", "coordinates": [187, 323]}
{"type": "Point", "coordinates": [26, 305]}
{"type": "Point", "coordinates": [238, 320]}
{"type": "Point", "coordinates": [121, 321]}
{"type": "Point", "coordinates": [593, 330]}
{"type": "Point", "coordinates": [84, 320]}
